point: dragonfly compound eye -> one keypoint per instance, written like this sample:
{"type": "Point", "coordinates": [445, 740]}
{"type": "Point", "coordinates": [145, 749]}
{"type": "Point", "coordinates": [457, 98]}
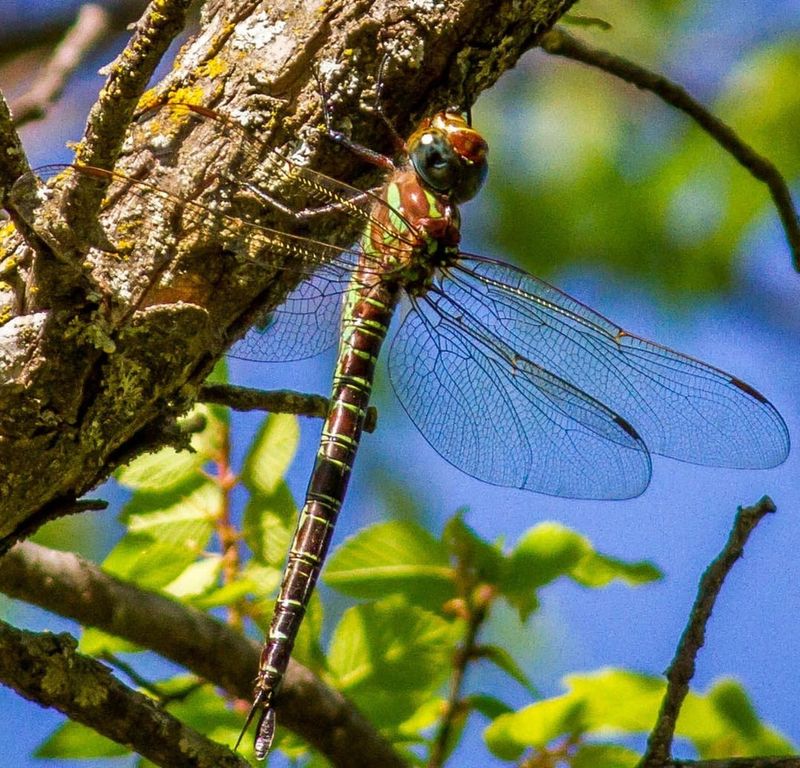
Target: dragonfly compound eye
{"type": "Point", "coordinates": [435, 161]}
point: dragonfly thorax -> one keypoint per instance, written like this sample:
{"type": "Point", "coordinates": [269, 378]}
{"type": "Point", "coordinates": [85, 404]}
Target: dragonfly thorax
{"type": "Point", "coordinates": [412, 232]}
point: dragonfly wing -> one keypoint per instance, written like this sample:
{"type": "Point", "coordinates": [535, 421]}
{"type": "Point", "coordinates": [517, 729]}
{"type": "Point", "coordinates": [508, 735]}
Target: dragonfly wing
{"type": "Point", "coordinates": [504, 419]}
{"type": "Point", "coordinates": [681, 407]}
{"type": "Point", "coordinates": [306, 324]}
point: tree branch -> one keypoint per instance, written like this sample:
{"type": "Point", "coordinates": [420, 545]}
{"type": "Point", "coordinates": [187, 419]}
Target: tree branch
{"type": "Point", "coordinates": [735, 762]}
{"type": "Point", "coordinates": [560, 43]}
{"type": "Point", "coordinates": [21, 38]}
{"type": "Point", "coordinates": [274, 401]}
{"type": "Point", "coordinates": [52, 511]}
{"type": "Point", "coordinates": [91, 25]}
{"type": "Point", "coordinates": [474, 604]}
{"type": "Point", "coordinates": [681, 670]}
{"type": "Point", "coordinates": [70, 586]}
{"type": "Point", "coordinates": [13, 162]}
{"type": "Point", "coordinates": [45, 668]}
{"type": "Point", "coordinates": [110, 117]}
{"type": "Point", "coordinates": [93, 376]}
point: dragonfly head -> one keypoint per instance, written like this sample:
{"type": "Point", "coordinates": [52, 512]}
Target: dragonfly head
{"type": "Point", "coordinates": [449, 156]}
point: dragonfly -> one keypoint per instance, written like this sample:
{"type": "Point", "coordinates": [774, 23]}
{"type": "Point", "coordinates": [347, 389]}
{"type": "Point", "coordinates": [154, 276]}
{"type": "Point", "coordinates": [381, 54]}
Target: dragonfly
{"type": "Point", "coordinates": [508, 378]}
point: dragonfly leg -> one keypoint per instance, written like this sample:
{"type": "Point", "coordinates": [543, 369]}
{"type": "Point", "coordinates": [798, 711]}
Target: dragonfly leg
{"type": "Point", "coordinates": [309, 214]}
{"type": "Point", "coordinates": [359, 150]}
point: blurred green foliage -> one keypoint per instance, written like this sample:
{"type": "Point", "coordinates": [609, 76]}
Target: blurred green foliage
{"type": "Point", "coordinates": [587, 170]}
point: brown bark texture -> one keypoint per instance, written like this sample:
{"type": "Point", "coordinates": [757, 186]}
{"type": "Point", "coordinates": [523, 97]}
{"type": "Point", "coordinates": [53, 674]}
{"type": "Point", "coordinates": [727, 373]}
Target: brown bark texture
{"type": "Point", "coordinates": [111, 322]}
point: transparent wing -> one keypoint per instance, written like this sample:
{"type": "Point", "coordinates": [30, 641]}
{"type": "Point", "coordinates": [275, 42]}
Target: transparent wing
{"type": "Point", "coordinates": [264, 179]}
{"type": "Point", "coordinates": [681, 407]}
{"type": "Point", "coordinates": [306, 324]}
{"type": "Point", "coordinates": [505, 420]}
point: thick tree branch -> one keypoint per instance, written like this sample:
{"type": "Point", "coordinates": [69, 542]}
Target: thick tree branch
{"type": "Point", "coordinates": [45, 668]}
{"type": "Point", "coordinates": [93, 376]}
{"type": "Point", "coordinates": [91, 26]}
{"type": "Point", "coordinates": [681, 670]}
{"type": "Point", "coordinates": [68, 585]}
{"type": "Point", "coordinates": [560, 43]}
{"type": "Point", "coordinates": [13, 162]}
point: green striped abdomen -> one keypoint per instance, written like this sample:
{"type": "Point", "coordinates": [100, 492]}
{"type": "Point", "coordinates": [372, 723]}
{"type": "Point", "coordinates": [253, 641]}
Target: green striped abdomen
{"type": "Point", "coordinates": [364, 324]}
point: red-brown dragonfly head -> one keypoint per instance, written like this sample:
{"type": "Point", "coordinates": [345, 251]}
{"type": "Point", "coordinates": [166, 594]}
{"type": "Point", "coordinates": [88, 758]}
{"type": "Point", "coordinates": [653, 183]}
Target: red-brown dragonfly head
{"type": "Point", "coordinates": [449, 156]}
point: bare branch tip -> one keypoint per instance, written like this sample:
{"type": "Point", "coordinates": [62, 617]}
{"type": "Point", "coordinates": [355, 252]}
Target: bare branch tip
{"type": "Point", "coordinates": [558, 42]}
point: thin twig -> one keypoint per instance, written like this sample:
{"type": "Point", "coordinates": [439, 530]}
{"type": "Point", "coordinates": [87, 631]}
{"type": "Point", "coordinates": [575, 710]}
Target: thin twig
{"type": "Point", "coordinates": [47, 669]}
{"type": "Point", "coordinates": [44, 31]}
{"type": "Point", "coordinates": [91, 25]}
{"type": "Point", "coordinates": [70, 586]}
{"type": "Point", "coordinates": [472, 605]}
{"type": "Point", "coordinates": [148, 685]}
{"type": "Point", "coordinates": [454, 707]}
{"type": "Point", "coordinates": [274, 401]}
{"type": "Point", "coordinates": [560, 43]}
{"type": "Point", "coordinates": [681, 670]}
{"type": "Point", "coordinates": [51, 511]}
{"type": "Point", "coordinates": [737, 762]}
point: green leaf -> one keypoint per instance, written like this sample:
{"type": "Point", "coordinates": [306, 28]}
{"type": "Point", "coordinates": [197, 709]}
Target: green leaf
{"type": "Point", "coordinates": [544, 553]}
{"type": "Point", "coordinates": [611, 699]}
{"type": "Point", "coordinates": [723, 722]}
{"type": "Point", "coordinates": [211, 442]}
{"type": "Point", "coordinates": [166, 535]}
{"type": "Point", "coordinates": [269, 523]}
{"type": "Point", "coordinates": [203, 709]}
{"type": "Point", "coordinates": [535, 726]}
{"type": "Point", "coordinates": [471, 550]}
{"type": "Point", "coordinates": [219, 374]}
{"type": "Point", "coordinates": [265, 578]}
{"type": "Point", "coordinates": [199, 578]}
{"type": "Point", "coordinates": [148, 563]}
{"type": "Point", "coordinates": [489, 706]}
{"type": "Point", "coordinates": [227, 594]}
{"type": "Point", "coordinates": [161, 471]}
{"type": "Point", "coordinates": [75, 741]}
{"type": "Point", "coordinates": [307, 648]}
{"type": "Point", "coordinates": [186, 519]}
{"type": "Point", "coordinates": [618, 698]}
{"type": "Point", "coordinates": [604, 756]}
{"type": "Point", "coordinates": [389, 657]}
{"type": "Point", "coordinates": [501, 658]}
{"type": "Point", "coordinates": [425, 717]}
{"type": "Point", "coordinates": [398, 556]}
{"type": "Point", "coordinates": [271, 453]}
{"type": "Point", "coordinates": [550, 551]}
{"type": "Point", "coordinates": [620, 701]}
{"type": "Point", "coordinates": [596, 570]}
{"type": "Point", "coordinates": [734, 705]}
{"type": "Point", "coordinates": [95, 642]}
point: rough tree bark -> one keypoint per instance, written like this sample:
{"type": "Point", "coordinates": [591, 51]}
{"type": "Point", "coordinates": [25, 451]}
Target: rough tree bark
{"type": "Point", "coordinates": [110, 330]}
